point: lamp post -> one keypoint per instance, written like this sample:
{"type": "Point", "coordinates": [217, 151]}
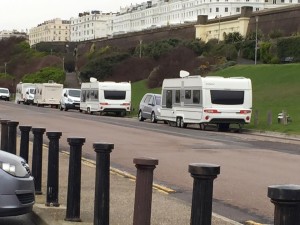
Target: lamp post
{"type": "Point", "coordinates": [141, 41]}
{"type": "Point", "coordinates": [219, 28]}
{"type": "Point", "coordinates": [5, 68]}
{"type": "Point", "coordinates": [94, 29]}
{"type": "Point", "coordinates": [256, 23]}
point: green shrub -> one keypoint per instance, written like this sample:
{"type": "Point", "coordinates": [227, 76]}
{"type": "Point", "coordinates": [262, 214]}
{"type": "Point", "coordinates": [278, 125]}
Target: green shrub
{"type": "Point", "coordinates": [265, 52]}
{"type": "Point", "coordinates": [289, 47]}
{"type": "Point", "coordinates": [197, 46]}
{"type": "Point", "coordinates": [102, 67]}
{"type": "Point", "coordinates": [276, 34]}
{"type": "Point", "coordinates": [157, 49]}
{"type": "Point", "coordinates": [275, 60]}
{"type": "Point", "coordinates": [44, 75]}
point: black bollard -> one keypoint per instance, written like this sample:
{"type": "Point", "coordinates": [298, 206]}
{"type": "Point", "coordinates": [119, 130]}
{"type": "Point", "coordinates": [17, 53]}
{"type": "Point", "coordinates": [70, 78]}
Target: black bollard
{"type": "Point", "coordinates": [101, 208]}
{"type": "Point", "coordinates": [12, 137]}
{"type": "Point", "coordinates": [37, 158]}
{"type": "Point", "coordinates": [143, 190]}
{"type": "Point", "coordinates": [24, 142]}
{"type": "Point", "coordinates": [286, 199]}
{"type": "Point", "coordinates": [53, 165]}
{"type": "Point", "coordinates": [74, 179]}
{"type": "Point", "coordinates": [4, 135]}
{"type": "Point", "coordinates": [204, 175]}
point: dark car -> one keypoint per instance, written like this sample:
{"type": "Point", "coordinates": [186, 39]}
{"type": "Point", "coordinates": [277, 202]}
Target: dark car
{"type": "Point", "coordinates": [150, 107]}
{"type": "Point", "coordinates": [17, 193]}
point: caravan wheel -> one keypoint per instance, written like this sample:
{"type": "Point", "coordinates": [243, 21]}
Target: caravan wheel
{"type": "Point", "coordinates": [182, 123]}
{"type": "Point", "coordinates": [178, 122]}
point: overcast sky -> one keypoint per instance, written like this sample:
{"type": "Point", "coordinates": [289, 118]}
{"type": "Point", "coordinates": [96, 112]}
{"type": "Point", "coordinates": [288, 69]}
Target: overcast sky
{"type": "Point", "coordinates": [25, 14]}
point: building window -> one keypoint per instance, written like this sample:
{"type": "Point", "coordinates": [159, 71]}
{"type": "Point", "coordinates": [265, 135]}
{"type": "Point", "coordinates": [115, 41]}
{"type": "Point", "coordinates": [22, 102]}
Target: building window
{"type": "Point", "coordinates": [217, 9]}
{"type": "Point", "coordinates": [237, 10]}
{"type": "Point", "coordinates": [226, 9]}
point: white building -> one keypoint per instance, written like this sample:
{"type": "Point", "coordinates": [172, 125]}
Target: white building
{"type": "Point", "coordinates": [91, 25]}
{"type": "Point", "coordinates": [54, 30]}
{"type": "Point", "coordinates": [14, 33]}
{"type": "Point", "coordinates": [158, 13]}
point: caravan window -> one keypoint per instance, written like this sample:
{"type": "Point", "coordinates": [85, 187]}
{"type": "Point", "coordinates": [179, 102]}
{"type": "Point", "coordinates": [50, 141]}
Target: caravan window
{"type": "Point", "coordinates": [115, 95]}
{"type": "Point", "coordinates": [169, 99]}
{"type": "Point", "coordinates": [94, 95]}
{"type": "Point", "coordinates": [187, 94]}
{"type": "Point", "coordinates": [177, 96]}
{"type": "Point", "coordinates": [83, 96]}
{"type": "Point", "coordinates": [196, 96]}
{"type": "Point", "coordinates": [224, 97]}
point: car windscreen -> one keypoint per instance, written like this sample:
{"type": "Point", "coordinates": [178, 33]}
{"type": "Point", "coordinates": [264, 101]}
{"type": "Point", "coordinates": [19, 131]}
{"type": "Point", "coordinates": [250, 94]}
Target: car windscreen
{"type": "Point", "coordinates": [115, 95]}
{"type": "Point", "coordinates": [31, 91]}
{"type": "Point", "coordinates": [4, 91]}
{"type": "Point", "coordinates": [74, 93]}
{"type": "Point", "coordinates": [227, 97]}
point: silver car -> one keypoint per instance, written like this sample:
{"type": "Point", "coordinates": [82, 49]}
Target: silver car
{"type": "Point", "coordinates": [150, 107]}
{"type": "Point", "coordinates": [17, 194]}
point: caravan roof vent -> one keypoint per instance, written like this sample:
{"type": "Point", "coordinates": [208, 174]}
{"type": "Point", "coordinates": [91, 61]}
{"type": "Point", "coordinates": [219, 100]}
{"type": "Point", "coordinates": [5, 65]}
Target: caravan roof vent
{"type": "Point", "coordinates": [184, 73]}
{"type": "Point", "coordinates": [93, 80]}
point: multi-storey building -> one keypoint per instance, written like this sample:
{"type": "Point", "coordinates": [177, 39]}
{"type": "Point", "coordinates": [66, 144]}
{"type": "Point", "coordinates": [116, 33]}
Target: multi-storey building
{"type": "Point", "coordinates": [50, 31]}
{"type": "Point", "coordinates": [14, 33]}
{"type": "Point", "coordinates": [157, 13]}
{"type": "Point", "coordinates": [91, 25]}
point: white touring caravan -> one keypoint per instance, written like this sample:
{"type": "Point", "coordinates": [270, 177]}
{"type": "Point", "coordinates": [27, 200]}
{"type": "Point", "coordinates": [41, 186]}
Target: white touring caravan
{"type": "Point", "coordinates": [105, 96]}
{"type": "Point", "coordinates": [206, 100]}
{"type": "Point", "coordinates": [48, 94]}
{"type": "Point", "coordinates": [21, 91]}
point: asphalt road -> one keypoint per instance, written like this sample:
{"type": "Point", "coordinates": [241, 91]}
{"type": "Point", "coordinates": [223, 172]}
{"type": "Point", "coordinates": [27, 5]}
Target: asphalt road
{"type": "Point", "coordinates": [26, 219]}
{"type": "Point", "coordinates": [249, 163]}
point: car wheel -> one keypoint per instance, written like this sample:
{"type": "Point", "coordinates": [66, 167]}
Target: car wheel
{"type": "Point", "coordinates": [153, 120]}
{"type": "Point", "coordinates": [141, 118]}
{"type": "Point", "coordinates": [60, 107]}
{"type": "Point", "coordinates": [66, 109]}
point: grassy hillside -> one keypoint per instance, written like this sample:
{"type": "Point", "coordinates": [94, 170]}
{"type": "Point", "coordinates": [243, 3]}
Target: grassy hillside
{"type": "Point", "coordinates": [138, 90]}
{"type": "Point", "coordinates": [275, 88]}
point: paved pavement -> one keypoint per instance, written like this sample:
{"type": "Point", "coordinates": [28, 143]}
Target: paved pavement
{"type": "Point", "coordinates": [166, 210]}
